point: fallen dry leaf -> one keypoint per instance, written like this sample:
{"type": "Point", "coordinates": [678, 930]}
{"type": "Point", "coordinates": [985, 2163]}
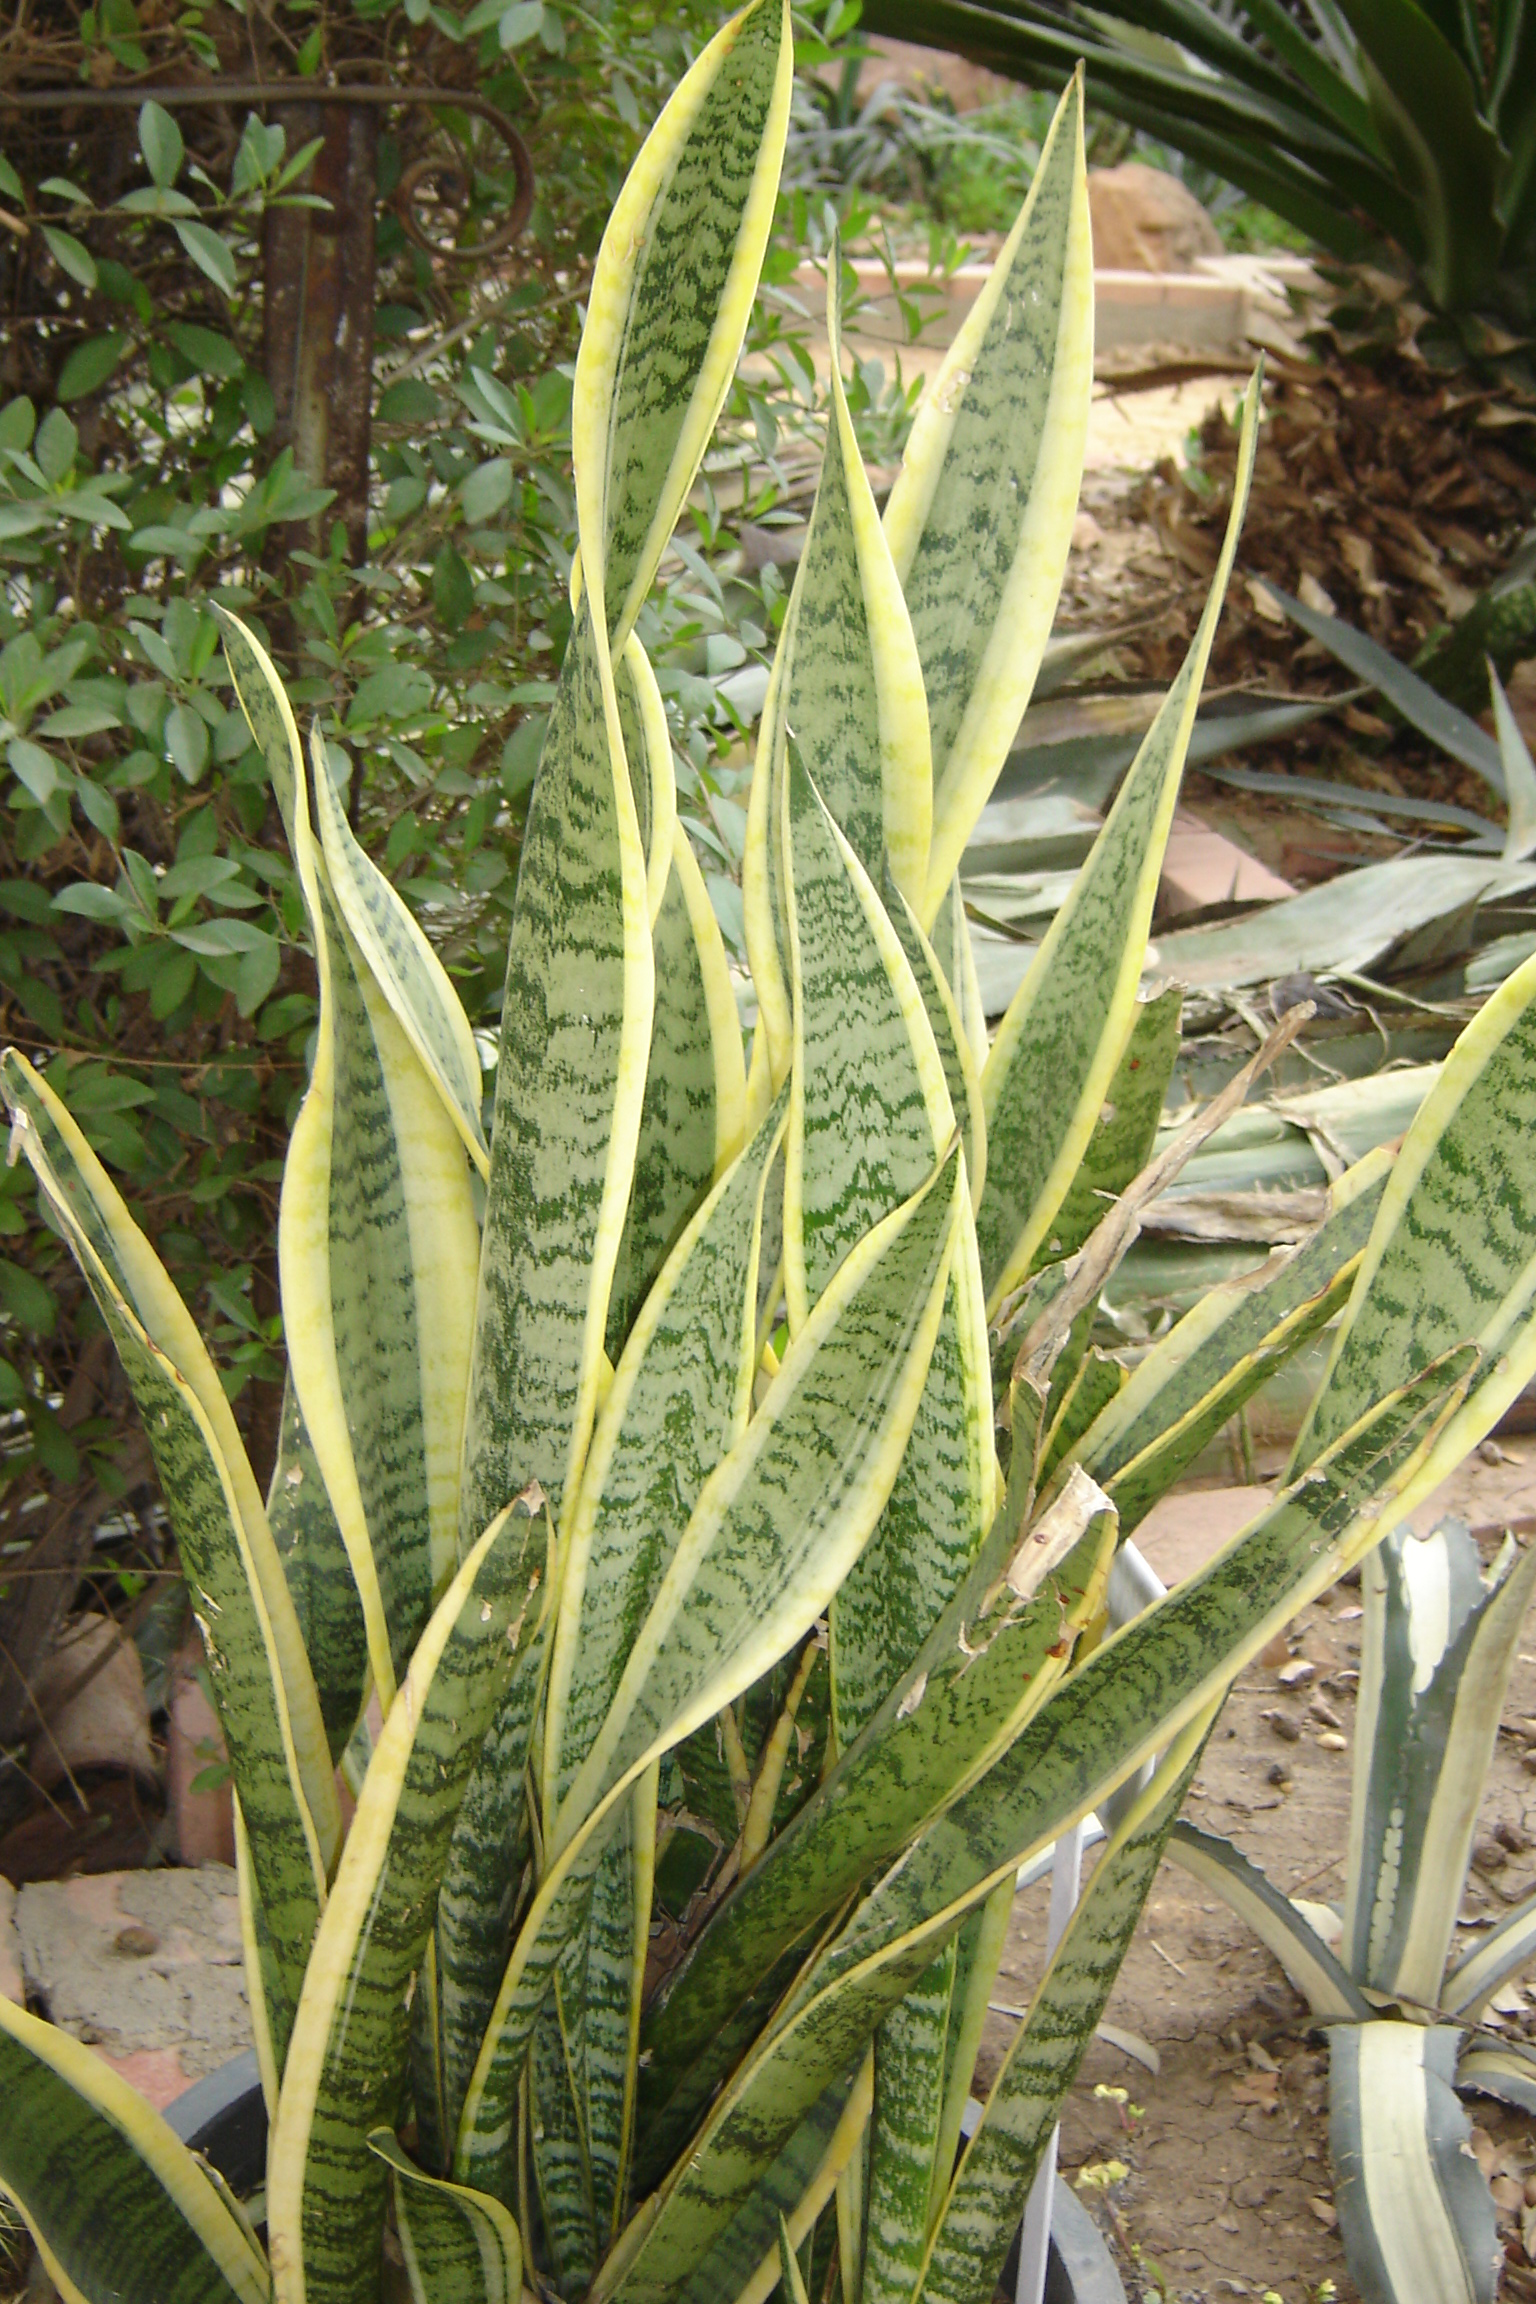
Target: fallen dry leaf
{"type": "Point", "coordinates": [1261, 2088]}
{"type": "Point", "coordinates": [1324, 2211]}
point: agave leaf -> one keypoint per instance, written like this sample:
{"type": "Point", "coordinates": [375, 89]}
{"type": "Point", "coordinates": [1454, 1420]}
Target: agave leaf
{"type": "Point", "coordinates": [118, 2206]}
{"type": "Point", "coordinates": [460, 2247]}
{"type": "Point", "coordinates": [984, 2203]}
{"type": "Point", "coordinates": [679, 1402]}
{"type": "Point", "coordinates": [377, 1206]}
{"type": "Point", "coordinates": [1193, 1379]}
{"type": "Point", "coordinates": [268, 1705]}
{"type": "Point", "coordinates": [1502, 2071]}
{"type": "Point", "coordinates": [693, 1120]}
{"type": "Point", "coordinates": [1328, 1990]}
{"type": "Point", "coordinates": [997, 1653]}
{"type": "Point", "coordinates": [1414, 2208]}
{"type": "Point", "coordinates": [1056, 1051]}
{"type": "Point", "coordinates": [347, 2062]}
{"type": "Point", "coordinates": [570, 1087]}
{"type": "Point", "coordinates": [851, 690]}
{"type": "Point", "coordinates": [654, 368]}
{"type": "Point", "coordinates": [980, 518]}
{"type": "Point", "coordinates": [1519, 773]}
{"type": "Point", "coordinates": [1437, 1648]}
{"type": "Point", "coordinates": [1502, 1953]}
{"type": "Point", "coordinates": [1450, 1254]}
{"type": "Point", "coordinates": [1139, 1689]}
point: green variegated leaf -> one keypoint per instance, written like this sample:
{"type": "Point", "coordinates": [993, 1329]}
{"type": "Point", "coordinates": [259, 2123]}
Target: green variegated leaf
{"type": "Point", "coordinates": [992, 1660]}
{"type": "Point", "coordinates": [460, 2247]}
{"type": "Point", "coordinates": [1141, 1687]}
{"type": "Point", "coordinates": [570, 1085]}
{"type": "Point", "coordinates": [648, 749]}
{"type": "Point", "coordinates": [1075, 1406]}
{"type": "Point", "coordinates": [847, 685]}
{"type": "Point", "coordinates": [654, 366]}
{"type": "Point", "coordinates": [1438, 1645]}
{"type": "Point", "coordinates": [980, 518]}
{"type": "Point", "coordinates": [679, 1402]}
{"type": "Point", "coordinates": [797, 2188]}
{"type": "Point", "coordinates": [1126, 1127]}
{"type": "Point", "coordinates": [1057, 1049]}
{"type": "Point", "coordinates": [482, 1881]}
{"type": "Point", "coordinates": [347, 2062]}
{"type": "Point", "coordinates": [950, 934]}
{"type": "Point", "coordinates": [869, 1109]}
{"type": "Point", "coordinates": [904, 2130]}
{"type": "Point", "coordinates": [1452, 1254]}
{"type": "Point", "coordinates": [1415, 2213]}
{"type": "Point", "coordinates": [789, 2268]}
{"type": "Point", "coordinates": [693, 1120]}
{"type": "Point", "coordinates": [1182, 1391]}
{"type": "Point", "coordinates": [979, 1949]}
{"type": "Point", "coordinates": [377, 1206]}
{"type": "Point", "coordinates": [986, 2199]}
{"type": "Point", "coordinates": [950, 1034]}
{"type": "Point", "coordinates": [320, 1577]}
{"type": "Point", "coordinates": [1329, 1992]}
{"type": "Point", "coordinates": [557, 2131]}
{"type": "Point", "coordinates": [118, 2206]}
{"type": "Point", "coordinates": [267, 1701]}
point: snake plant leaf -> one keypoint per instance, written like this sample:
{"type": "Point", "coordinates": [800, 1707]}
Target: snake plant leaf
{"type": "Point", "coordinates": [839, 2168]}
{"type": "Point", "coordinates": [904, 2128]}
{"type": "Point", "coordinates": [693, 1119]}
{"type": "Point", "coordinates": [980, 519]}
{"type": "Point", "coordinates": [561, 2167]}
{"type": "Point", "coordinates": [1437, 1649]}
{"type": "Point", "coordinates": [460, 2247]}
{"type": "Point", "coordinates": [347, 2060]}
{"type": "Point", "coordinates": [570, 1087]}
{"type": "Point", "coordinates": [950, 1034]}
{"type": "Point", "coordinates": [1499, 1955]}
{"type": "Point", "coordinates": [268, 1705]}
{"type": "Point", "coordinates": [981, 2211]}
{"type": "Point", "coordinates": [1126, 1128]}
{"type": "Point", "coordinates": [1058, 1047]}
{"type": "Point", "coordinates": [118, 2206]}
{"type": "Point", "coordinates": [267, 1996]}
{"type": "Point", "coordinates": [1415, 2212]}
{"type": "Point", "coordinates": [997, 1653]}
{"type": "Point", "coordinates": [950, 936]}
{"type": "Point", "coordinates": [1138, 1690]}
{"type": "Point", "coordinates": [654, 367]}
{"type": "Point", "coordinates": [847, 682]}
{"type": "Point", "coordinates": [869, 1107]}
{"type": "Point", "coordinates": [789, 2268]}
{"type": "Point", "coordinates": [679, 1402]}
{"type": "Point", "coordinates": [1193, 1379]}
{"type": "Point", "coordinates": [482, 1879]}
{"type": "Point", "coordinates": [784, 1515]}
{"type": "Point", "coordinates": [319, 1574]}
{"type": "Point", "coordinates": [1450, 1253]}
{"type": "Point", "coordinates": [979, 1949]}
{"type": "Point", "coordinates": [377, 1206]}
{"type": "Point", "coordinates": [648, 749]}
{"type": "Point", "coordinates": [1329, 1991]}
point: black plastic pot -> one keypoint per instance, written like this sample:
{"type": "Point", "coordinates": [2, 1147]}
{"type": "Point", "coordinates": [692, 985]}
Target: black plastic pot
{"type": "Point", "coordinates": [225, 2118]}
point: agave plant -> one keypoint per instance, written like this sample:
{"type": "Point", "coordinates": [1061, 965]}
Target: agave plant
{"type": "Point", "coordinates": [651, 1453]}
{"type": "Point", "coordinates": [1374, 126]}
{"type": "Point", "coordinates": [1438, 1645]}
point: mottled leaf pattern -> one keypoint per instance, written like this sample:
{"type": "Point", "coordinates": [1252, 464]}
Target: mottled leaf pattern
{"type": "Point", "coordinates": [908, 2106]}
{"type": "Point", "coordinates": [460, 2247]}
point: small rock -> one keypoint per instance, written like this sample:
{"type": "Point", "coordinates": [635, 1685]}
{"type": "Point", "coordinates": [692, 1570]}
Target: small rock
{"type": "Point", "coordinates": [1324, 1714]}
{"type": "Point", "coordinates": [136, 1942]}
{"type": "Point", "coordinates": [1507, 2194]}
{"type": "Point", "coordinates": [1280, 1775]}
{"type": "Point", "coordinates": [1281, 1724]}
{"type": "Point", "coordinates": [1260, 2058]}
{"type": "Point", "coordinates": [1331, 1741]}
{"type": "Point", "coordinates": [1489, 1856]}
{"type": "Point", "coordinates": [1276, 1651]}
{"type": "Point", "coordinates": [1324, 2210]}
{"type": "Point", "coordinates": [1511, 1837]}
{"type": "Point", "coordinates": [1297, 1673]}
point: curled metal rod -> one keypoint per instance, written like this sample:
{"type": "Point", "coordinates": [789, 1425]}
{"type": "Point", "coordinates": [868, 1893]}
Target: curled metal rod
{"type": "Point", "coordinates": [308, 92]}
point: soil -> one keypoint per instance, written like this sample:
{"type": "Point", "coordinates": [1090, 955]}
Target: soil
{"type": "Point", "coordinates": [1229, 2191]}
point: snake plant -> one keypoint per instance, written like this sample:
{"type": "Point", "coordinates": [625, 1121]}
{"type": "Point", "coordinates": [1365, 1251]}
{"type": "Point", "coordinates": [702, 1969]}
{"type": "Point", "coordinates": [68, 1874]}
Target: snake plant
{"type": "Point", "coordinates": [645, 1463]}
{"type": "Point", "coordinates": [1439, 1638]}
